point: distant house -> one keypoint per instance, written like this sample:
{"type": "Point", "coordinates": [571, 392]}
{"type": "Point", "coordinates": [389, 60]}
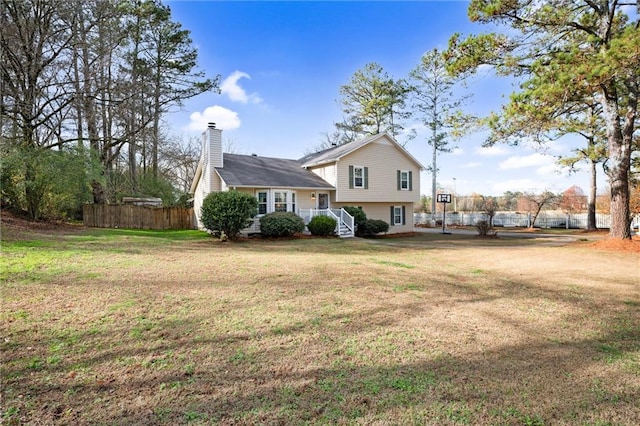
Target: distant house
{"type": "Point", "coordinates": [374, 173]}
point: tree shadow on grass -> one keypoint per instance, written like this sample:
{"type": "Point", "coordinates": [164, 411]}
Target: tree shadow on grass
{"type": "Point", "coordinates": [175, 372]}
{"type": "Point", "coordinates": [366, 348]}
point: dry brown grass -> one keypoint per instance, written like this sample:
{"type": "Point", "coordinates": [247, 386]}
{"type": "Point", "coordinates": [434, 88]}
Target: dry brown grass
{"type": "Point", "coordinates": [130, 328]}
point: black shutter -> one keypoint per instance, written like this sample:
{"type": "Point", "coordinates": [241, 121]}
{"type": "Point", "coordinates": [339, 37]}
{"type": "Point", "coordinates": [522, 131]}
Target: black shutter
{"type": "Point", "coordinates": [350, 177]}
{"type": "Point", "coordinates": [404, 216]}
{"type": "Point", "coordinates": [398, 178]}
{"type": "Point", "coordinates": [392, 221]}
{"type": "Point", "coordinates": [410, 180]}
{"type": "Point", "coordinates": [366, 178]}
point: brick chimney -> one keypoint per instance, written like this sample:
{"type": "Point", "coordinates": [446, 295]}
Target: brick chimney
{"type": "Point", "coordinates": [213, 140]}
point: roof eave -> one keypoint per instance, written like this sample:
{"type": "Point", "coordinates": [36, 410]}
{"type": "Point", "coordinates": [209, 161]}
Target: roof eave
{"type": "Point", "coordinates": [311, 188]}
{"type": "Point", "coordinates": [196, 177]}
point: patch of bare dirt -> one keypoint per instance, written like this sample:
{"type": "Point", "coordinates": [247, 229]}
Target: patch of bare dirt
{"type": "Point", "coordinates": [615, 244]}
{"type": "Point", "coordinates": [397, 235]}
{"type": "Point", "coordinates": [16, 225]}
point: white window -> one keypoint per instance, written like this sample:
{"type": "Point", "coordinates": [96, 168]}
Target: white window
{"type": "Point", "coordinates": [358, 177]}
{"type": "Point", "coordinates": [262, 202]}
{"type": "Point", "coordinates": [404, 180]}
{"type": "Point", "coordinates": [280, 201]}
{"type": "Point", "coordinates": [397, 215]}
{"type": "Point", "coordinates": [276, 200]}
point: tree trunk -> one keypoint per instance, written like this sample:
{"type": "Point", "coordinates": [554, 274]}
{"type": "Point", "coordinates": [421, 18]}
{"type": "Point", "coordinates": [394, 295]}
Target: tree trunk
{"type": "Point", "coordinates": [434, 176]}
{"type": "Point", "coordinates": [535, 216]}
{"type": "Point", "coordinates": [619, 140]}
{"type": "Point", "coordinates": [78, 100]}
{"type": "Point", "coordinates": [132, 157]}
{"type": "Point", "coordinates": [591, 204]}
{"type": "Point", "coordinates": [157, 112]}
{"type": "Point", "coordinates": [619, 165]}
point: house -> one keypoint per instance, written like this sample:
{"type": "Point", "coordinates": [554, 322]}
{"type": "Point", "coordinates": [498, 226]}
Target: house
{"type": "Point", "coordinates": [374, 173]}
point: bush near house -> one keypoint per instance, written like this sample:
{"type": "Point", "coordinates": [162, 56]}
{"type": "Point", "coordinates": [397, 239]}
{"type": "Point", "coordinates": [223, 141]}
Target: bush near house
{"type": "Point", "coordinates": [225, 214]}
{"type": "Point", "coordinates": [281, 224]}
{"type": "Point", "coordinates": [359, 216]}
{"type": "Point", "coordinates": [375, 226]}
{"type": "Point", "coordinates": [366, 227]}
{"type": "Point", "coordinates": [322, 226]}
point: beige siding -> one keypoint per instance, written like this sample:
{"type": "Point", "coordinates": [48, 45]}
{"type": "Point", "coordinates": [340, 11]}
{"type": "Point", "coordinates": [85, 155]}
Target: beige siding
{"type": "Point", "coordinates": [383, 160]}
{"type": "Point", "coordinates": [209, 182]}
{"type": "Point", "coordinates": [305, 201]}
{"type": "Point", "coordinates": [198, 198]}
{"type": "Point", "coordinates": [382, 211]}
{"type": "Point", "coordinates": [215, 183]}
{"type": "Point", "coordinates": [328, 172]}
{"type": "Point", "coordinates": [247, 191]}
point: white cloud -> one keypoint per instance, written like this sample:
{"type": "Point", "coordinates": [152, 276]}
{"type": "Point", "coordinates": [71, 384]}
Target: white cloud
{"type": "Point", "coordinates": [470, 165]}
{"type": "Point", "coordinates": [412, 129]}
{"type": "Point", "coordinates": [235, 92]}
{"type": "Point", "coordinates": [525, 185]}
{"type": "Point", "coordinates": [557, 146]}
{"type": "Point", "coordinates": [518, 162]}
{"type": "Point", "coordinates": [457, 151]}
{"type": "Point", "coordinates": [224, 118]}
{"type": "Point", "coordinates": [548, 169]}
{"type": "Point", "coordinates": [491, 151]}
{"type": "Point", "coordinates": [417, 126]}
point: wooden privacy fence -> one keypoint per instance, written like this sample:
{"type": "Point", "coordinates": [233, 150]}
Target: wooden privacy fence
{"type": "Point", "coordinates": [136, 217]}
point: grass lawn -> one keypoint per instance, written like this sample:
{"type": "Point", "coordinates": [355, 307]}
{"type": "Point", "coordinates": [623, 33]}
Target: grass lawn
{"type": "Point", "coordinates": [142, 327]}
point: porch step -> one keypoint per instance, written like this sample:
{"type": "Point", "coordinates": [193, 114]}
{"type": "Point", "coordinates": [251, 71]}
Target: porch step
{"type": "Point", "coordinates": [345, 232]}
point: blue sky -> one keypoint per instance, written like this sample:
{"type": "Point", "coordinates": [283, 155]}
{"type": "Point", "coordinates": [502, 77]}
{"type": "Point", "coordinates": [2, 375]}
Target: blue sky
{"type": "Point", "coordinates": [282, 64]}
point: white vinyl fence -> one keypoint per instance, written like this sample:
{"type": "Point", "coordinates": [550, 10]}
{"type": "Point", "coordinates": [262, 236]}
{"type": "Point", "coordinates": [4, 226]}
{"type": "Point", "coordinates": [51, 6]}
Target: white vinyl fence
{"type": "Point", "coordinates": [509, 219]}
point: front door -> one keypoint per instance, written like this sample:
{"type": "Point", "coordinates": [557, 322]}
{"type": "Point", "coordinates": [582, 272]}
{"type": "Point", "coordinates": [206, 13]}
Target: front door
{"type": "Point", "coordinates": [323, 201]}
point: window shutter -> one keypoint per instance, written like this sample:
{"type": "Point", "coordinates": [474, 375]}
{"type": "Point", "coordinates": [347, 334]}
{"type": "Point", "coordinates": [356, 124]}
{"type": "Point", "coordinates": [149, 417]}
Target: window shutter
{"type": "Point", "coordinates": [366, 178]}
{"type": "Point", "coordinates": [350, 177]}
{"type": "Point", "coordinates": [404, 216]}
{"type": "Point", "coordinates": [410, 180]}
{"type": "Point", "coordinates": [398, 178]}
{"type": "Point", "coordinates": [391, 221]}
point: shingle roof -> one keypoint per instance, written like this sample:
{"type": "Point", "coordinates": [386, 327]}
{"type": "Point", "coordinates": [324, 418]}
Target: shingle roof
{"type": "Point", "coordinates": [335, 153]}
{"type": "Point", "coordinates": [253, 171]}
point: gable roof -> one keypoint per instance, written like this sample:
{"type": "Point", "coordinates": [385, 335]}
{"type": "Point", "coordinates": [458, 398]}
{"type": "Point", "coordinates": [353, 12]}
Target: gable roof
{"type": "Point", "coordinates": [335, 153]}
{"type": "Point", "coordinates": [254, 171]}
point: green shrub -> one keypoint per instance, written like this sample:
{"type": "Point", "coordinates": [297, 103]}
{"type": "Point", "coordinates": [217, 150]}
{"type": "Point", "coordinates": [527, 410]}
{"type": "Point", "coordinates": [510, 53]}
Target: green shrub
{"type": "Point", "coordinates": [484, 228]}
{"type": "Point", "coordinates": [47, 183]}
{"type": "Point", "coordinates": [156, 186]}
{"type": "Point", "coordinates": [322, 226]}
{"type": "Point", "coordinates": [227, 213]}
{"type": "Point", "coordinates": [359, 218]}
{"type": "Point", "coordinates": [281, 224]}
{"type": "Point", "coordinates": [374, 226]}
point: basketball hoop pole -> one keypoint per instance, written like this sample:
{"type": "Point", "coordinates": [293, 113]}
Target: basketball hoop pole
{"type": "Point", "coordinates": [444, 215]}
{"type": "Point", "coordinates": [444, 199]}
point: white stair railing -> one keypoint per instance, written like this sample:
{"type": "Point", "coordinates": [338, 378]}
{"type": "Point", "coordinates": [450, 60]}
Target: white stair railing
{"type": "Point", "coordinates": [342, 218]}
